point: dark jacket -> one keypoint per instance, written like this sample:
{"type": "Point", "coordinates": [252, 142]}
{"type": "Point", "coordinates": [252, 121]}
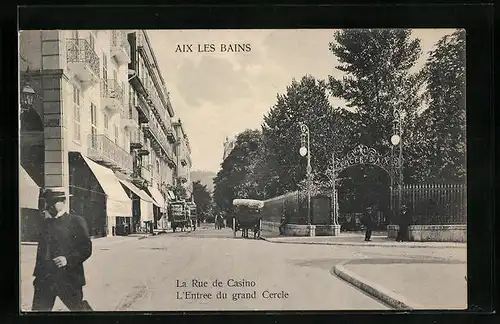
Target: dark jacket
{"type": "Point", "coordinates": [368, 219]}
{"type": "Point", "coordinates": [66, 236]}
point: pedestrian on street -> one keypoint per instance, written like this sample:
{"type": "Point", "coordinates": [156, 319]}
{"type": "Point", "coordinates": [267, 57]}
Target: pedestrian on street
{"type": "Point", "coordinates": [63, 246]}
{"type": "Point", "coordinates": [404, 222]}
{"type": "Point", "coordinates": [282, 225]}
{"type": "Point", "coordinates": [368, 221]}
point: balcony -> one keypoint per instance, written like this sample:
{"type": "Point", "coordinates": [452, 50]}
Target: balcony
{"type": "Point", "coordinates": [106, 152]}
{"type": "Point", "coordinates": [130, 118]}
{"type": "Point", "coordinates": [141, 175]}
{"type": "Point", "coordinates": [120, 48]}
{"type": "Point", "coordinates": [111, 96]}
{"type": "Point", "coordinates": [135, 142]}
{"type": "Point", "coordinates": [159, 140]}
{"type": "Point", "coordinates": [137, 82]}
{"type": "Point", "coordinates": [83, 62]}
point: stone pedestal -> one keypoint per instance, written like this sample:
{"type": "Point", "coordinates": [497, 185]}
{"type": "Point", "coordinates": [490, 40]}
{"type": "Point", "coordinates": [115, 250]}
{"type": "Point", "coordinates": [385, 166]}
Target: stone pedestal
{"type": "Point", "coordinates": [432, 233]}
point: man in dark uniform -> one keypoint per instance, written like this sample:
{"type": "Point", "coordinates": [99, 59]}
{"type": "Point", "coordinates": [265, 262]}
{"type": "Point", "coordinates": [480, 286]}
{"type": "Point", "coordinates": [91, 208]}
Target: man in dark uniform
{"type": "Point", "coordinates": [369, 223]}
{"type": "Point", "coordinates": [404, 222]}
{"type": "Point", "coordinates": [63, 245]}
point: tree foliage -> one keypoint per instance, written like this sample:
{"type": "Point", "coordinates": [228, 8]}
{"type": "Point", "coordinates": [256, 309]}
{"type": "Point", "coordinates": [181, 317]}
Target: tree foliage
{"type": "Point", "coordinates": [379, 78]}
{"type": "Point", "coordinates": [307, 102]}
{"type": "Point", "coordinates": [441, 128]}
{"type": "Point", "coordinates": [202, 199]}
{"type": "Point", "coordinates": [237, 177]}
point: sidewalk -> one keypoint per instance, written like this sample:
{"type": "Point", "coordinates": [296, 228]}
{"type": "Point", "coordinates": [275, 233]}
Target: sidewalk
{"type": "Point", "coordinates": [356, 239]}
{"type": "Point", "coordinates": [406, 283]}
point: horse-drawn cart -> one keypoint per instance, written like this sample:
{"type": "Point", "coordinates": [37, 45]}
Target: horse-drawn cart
{"type": "Point", "coordinates": [247, 216]}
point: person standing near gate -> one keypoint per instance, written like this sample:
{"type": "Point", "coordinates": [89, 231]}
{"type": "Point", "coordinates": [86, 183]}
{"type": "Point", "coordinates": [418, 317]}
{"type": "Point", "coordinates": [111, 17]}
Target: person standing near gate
{"type": "Point", "coordinates": [404, 223]}
{"type": "Point", "coordinates": [369, 223]}
{"type": "Point", "coordinates": [63, 246]}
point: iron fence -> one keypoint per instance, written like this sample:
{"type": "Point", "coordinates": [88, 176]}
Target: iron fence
{"type": "Point", "coordinates": [434, 204]}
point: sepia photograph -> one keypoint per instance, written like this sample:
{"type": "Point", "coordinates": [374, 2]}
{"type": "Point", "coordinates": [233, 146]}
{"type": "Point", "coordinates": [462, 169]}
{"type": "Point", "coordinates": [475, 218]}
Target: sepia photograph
{"type": "Point", "coordinates": [242, 170]}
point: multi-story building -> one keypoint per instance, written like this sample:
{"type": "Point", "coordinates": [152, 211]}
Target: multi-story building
{"type": "Point", "coordinates": [103, 129]}
{"type": "Point", "coordinates": [183, 152]}
{"type": "Point", "coordinates": [228, 146]}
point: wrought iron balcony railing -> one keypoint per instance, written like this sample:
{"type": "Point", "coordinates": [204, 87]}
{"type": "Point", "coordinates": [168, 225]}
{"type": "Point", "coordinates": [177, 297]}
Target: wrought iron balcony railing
{"type": "Point", "coordinates": [103, 150]}
{"type": "Point", "coordinates": [82, 59]}
{"type": "Point", "coordinates": [112, 95]}
{"type": "Point", "coordinates": [158, 135]}
{"type": "Point", "coordinates": [120, 48]}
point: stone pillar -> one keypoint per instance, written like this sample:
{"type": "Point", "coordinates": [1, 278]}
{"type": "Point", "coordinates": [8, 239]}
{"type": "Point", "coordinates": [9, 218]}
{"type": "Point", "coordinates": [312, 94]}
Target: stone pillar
{"type": "Point", "coordinates": [55, 121]}
{"type": "Point", "coordinates": [311, 230]}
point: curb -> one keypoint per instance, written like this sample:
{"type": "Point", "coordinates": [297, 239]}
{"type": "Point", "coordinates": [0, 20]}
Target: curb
{"type": "Point", "coordinates": [387, 297]}
{"type": "Point", "coordinates": [368, 244]}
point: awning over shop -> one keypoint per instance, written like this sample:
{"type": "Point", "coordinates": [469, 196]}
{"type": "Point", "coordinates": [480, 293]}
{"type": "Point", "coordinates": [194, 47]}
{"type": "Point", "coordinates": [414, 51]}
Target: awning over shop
{"type": "Point", "coordinates": [141, 193]}
{"type": "Point", "coordinates": [28, 190]}
{"type": "Point", "coordinates": [146, 211]}
{"type": "Point", "coordinates": [117, 202]}
{"type": "Point", "coordinates": [157, 196]}
{"type": "Point", "coordinates": [171, 195]}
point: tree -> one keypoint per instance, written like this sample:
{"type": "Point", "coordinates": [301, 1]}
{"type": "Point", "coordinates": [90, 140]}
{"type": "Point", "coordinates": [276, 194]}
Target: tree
{"type": "Point", "coordinates": [202, 199]}
{"type": "Point", "coordinates": [441, 127]}
{"type": "Point", "coordinates": [377, 65]}
{"type": "Point", "coordinates": [305, 101]}
{"type": "Point", "coordinates": [237, 179]}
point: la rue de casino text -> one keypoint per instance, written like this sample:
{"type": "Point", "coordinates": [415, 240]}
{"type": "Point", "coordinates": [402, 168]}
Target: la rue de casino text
{"type": "Point", "coordinates": [211, 48]}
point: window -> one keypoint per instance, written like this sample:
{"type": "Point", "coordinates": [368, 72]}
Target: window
{"type": "Point", "coordinates": [116, 134]}
{"type": "Point", "coordinates": [76, 114]}
{"type": "Point", "coordinates": [105, 72]}
{"type": "Point", "coordinates": [93, 124]}
{"type": "Point", "coordinates": [106, 120]}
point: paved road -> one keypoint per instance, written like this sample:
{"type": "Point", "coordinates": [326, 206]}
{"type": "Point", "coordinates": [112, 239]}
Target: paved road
{"type": "Point", "coordinates": [144, 275]}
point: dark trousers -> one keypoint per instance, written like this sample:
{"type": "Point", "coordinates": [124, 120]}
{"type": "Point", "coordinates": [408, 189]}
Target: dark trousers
{"type": "Point", "coordinates": [368, 234]}
{"type": "Point", "coordinates": [403, 233]}
{"type": "Point", "coordinates": [47, 290]}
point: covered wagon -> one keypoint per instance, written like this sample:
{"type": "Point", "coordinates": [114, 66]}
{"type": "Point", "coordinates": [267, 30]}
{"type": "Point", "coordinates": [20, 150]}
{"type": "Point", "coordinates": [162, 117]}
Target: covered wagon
{"type": "Point", "coordinates": [247, 215]}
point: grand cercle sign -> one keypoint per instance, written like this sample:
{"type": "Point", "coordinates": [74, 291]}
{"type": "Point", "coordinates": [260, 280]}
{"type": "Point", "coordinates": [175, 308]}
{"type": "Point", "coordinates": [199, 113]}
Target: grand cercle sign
{"type": "Point", "coordinates": [363, 154]}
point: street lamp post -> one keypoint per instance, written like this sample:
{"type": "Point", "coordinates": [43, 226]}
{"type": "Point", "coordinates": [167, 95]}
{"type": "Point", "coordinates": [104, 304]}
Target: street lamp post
{"type": "Point", "coordinates": [305, 136]}
{"type": "Point", "coordinates": [396, 140]}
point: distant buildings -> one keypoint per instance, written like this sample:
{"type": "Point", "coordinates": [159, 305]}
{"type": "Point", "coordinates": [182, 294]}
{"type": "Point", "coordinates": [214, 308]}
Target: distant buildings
{"type": "Point", "coordinates": [101, 127]}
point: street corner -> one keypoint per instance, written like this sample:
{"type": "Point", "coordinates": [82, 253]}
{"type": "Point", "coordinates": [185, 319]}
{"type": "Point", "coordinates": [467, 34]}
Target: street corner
{"type": "Point", "coordinates": [386, 296]}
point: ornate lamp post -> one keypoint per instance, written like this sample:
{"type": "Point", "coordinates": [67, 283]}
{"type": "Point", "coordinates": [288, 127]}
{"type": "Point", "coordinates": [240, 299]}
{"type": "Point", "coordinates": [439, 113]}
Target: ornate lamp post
{"type": "Point", "coordinates": [331, 172]}
{"type": "Point", "coordinates": [303, 151]}
{"type": "Point", "coordinates": [396, 140]}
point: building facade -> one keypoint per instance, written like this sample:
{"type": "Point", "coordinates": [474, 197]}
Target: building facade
{"type": "Point", "coordinates": [106, 132]}
{"type": "Point", "coordinates": [183, 152]}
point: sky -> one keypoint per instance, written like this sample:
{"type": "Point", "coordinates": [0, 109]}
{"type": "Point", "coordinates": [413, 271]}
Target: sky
{"type": "Point", "coordinates": [218, 94]}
